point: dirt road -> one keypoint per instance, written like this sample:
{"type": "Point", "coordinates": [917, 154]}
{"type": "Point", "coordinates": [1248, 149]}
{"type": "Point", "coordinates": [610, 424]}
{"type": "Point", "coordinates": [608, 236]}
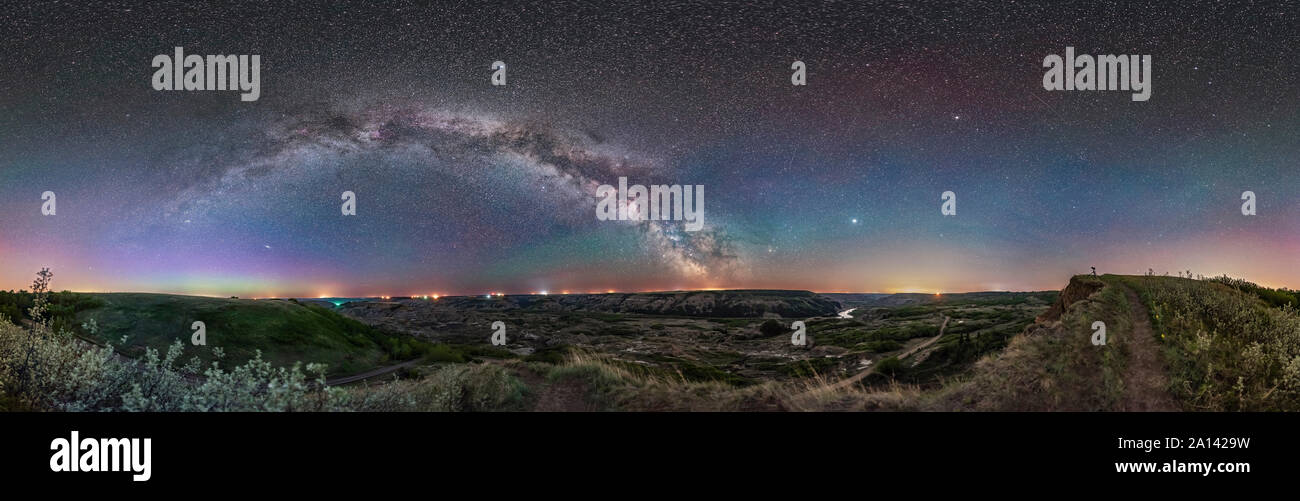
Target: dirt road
{"type": "Point", "coordinates": [845, 383]}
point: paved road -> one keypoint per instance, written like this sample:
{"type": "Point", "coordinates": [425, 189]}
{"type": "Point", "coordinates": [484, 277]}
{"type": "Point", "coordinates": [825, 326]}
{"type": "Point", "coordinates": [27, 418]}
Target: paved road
{"type": "Point", "coordinates": [369, 374]}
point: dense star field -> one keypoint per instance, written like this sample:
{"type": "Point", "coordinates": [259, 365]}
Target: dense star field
{"type": "Point", "coordinates": [464, 187]}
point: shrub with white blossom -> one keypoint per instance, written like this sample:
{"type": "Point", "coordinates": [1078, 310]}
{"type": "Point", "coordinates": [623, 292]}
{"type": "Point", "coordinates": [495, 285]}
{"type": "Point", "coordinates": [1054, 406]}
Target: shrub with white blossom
{"type": "Point", "coordinates": [41, 369]}
{"type": "Point", "coordinates": [1229, 349]}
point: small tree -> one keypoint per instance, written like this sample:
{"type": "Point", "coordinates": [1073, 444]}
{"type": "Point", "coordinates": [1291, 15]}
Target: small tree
{"type": "Point", "coordinates": [40, 325]}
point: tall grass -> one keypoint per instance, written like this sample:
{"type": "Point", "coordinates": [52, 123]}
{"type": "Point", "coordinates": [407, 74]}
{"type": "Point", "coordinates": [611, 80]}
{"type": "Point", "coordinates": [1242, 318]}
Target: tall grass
{"type": "Point", "coordinates": [1228, 349]}
{"type": "Point", "coordinates": [615, 385]}
{"type": "Point", "coordinates": [1051, 367]}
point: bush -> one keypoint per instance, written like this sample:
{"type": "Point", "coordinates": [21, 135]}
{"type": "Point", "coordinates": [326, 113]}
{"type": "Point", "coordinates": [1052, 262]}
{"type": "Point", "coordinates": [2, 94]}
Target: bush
{"type": "Point", "coordinates": [1230, 350]}
{"type": "Point", "coordinates": [772, 328]}
{"type": "Point", "coordinates": [43, 368]}
{"type": "Point", "coordinates": [891, 367]}
{"type": "Point", "coordinates": [60, 310]}
{"type": "Point", "coordinates": [550, 354]}
{"type": "Point", "coordinates": [453, 388]}
{"type": "Point", "coordinates": [882, 346]}
{"type": "Point", "coordinates": [1274, 297]}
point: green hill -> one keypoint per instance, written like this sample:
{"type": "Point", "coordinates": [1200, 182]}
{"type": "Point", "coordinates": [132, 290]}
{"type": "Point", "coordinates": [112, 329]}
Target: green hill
{"type": "Point", "coordinates": [1216, 344]}
{"type": "Point", "coordinates": [284, 331]}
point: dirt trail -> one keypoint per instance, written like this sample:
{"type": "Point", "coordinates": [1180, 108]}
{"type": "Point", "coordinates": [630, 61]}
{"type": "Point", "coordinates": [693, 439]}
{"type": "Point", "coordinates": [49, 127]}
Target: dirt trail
{"type": "Point", "coordinates": [1144, 379]}
{"type": "Point", "coordinates": [925, 345]}
{"type": "Point", "coordinates": [845, 383]}
{"type": "Point", "coordinates": [564, 396]}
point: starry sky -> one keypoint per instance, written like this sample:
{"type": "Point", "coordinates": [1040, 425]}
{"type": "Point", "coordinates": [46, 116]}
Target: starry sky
{"type": "Point", "coordinates": [465, 188]}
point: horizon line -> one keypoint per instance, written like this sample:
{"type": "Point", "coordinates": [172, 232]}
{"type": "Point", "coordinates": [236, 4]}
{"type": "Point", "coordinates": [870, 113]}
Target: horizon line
{"type": "Point", "coordinates": [543, 293]}
{"type": "Point", "coordinates": [598, 292]}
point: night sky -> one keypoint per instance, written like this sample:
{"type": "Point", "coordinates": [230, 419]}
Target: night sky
{"type": "Point", "coordinates": [467, 188]}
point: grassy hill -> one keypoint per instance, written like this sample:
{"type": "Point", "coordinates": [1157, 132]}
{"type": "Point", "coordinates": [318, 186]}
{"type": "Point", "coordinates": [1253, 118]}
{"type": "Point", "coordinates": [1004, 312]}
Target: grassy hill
{"type": "Point", "coordinates": [1172, 344]}
{"type": "Point", "coordinates": [284, 331]}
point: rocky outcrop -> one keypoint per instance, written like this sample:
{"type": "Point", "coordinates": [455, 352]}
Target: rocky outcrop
{"type": "Point", "coordinates": [1079, 288]}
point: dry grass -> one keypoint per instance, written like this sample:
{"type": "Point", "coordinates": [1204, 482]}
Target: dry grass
{"type": "Point", "coordinates": [615, 386]}
{"type": "Point", "coordinates": [1051, 367]}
